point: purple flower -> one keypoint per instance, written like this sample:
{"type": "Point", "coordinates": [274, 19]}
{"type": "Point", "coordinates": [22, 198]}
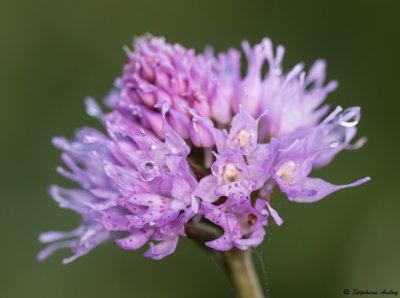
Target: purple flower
{"type": "Point", "coordinates": [157, 70]}
{"type": "Point", "coordinates": [188, 140]}
{"type": "Point", "coordinates": [238, 218]}
{"type": "Point", "coordinates": [132, 183]}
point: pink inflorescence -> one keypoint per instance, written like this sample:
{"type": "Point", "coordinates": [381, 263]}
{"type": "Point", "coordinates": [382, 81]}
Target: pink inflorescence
{"type": "Point", "coordinates": [189, 140]}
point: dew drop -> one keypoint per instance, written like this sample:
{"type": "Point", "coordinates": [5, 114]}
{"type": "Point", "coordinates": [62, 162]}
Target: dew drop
{"type": "Point", "coordinates": [92, 108]}
{"type": "Point", "coordinates": [92, 111]}
{"type": "Point", "coordinates": [351, 116]}
{"type": "Point", "coordinates": [334, 144]}
{"type": "Point", "coordinates": [148, 170]}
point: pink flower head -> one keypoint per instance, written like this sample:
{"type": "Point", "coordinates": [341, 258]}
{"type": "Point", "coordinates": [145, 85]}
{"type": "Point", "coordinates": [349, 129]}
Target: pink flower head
{"type": "Point", "coordinates": [189, 140]}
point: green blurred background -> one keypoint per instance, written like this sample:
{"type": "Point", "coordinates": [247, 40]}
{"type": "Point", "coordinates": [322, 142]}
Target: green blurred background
{"type": "Point", "coordinates": [54, 53]}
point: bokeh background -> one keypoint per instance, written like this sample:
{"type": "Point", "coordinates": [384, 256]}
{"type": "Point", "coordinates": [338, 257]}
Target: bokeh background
{"type": "Point", "coordinates": [54, 53]}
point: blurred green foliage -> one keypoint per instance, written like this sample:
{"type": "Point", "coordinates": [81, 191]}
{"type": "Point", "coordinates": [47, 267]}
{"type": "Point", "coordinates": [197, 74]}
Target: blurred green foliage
{"type": "Point", "coordinates": [54, 53]}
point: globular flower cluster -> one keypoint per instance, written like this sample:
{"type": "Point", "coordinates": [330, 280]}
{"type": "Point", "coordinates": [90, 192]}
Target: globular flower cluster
{"type": "Point", "coordinates": [189, 140]}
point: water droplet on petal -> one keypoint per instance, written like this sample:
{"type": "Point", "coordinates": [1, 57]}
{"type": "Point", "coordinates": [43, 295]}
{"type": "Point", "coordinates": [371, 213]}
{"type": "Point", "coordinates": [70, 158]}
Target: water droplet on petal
{"type": "Point", "coordinates": [148, 170]}
{"type": "Point", "coordinates": [148, 166]}
{"type": "Point", "coordinates": [352, 117]}
{"type": "Point", "coordinates": [146, 176]}
{"type": "Point", "coordinates": [92, 108]}
{"type": "Point", "coordinates": [334, 144]}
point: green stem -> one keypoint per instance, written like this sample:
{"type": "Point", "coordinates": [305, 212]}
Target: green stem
{"type": "Point", "coordinates": [239, 268]}
{"type": "Point", "coordinates": [237, 264]}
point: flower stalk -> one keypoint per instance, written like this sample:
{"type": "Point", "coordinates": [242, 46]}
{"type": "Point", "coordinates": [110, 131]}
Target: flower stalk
{"type": "Point", "coordinates": [238, 267]}
{"type": "Point", "coordinates": [237, 264]}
